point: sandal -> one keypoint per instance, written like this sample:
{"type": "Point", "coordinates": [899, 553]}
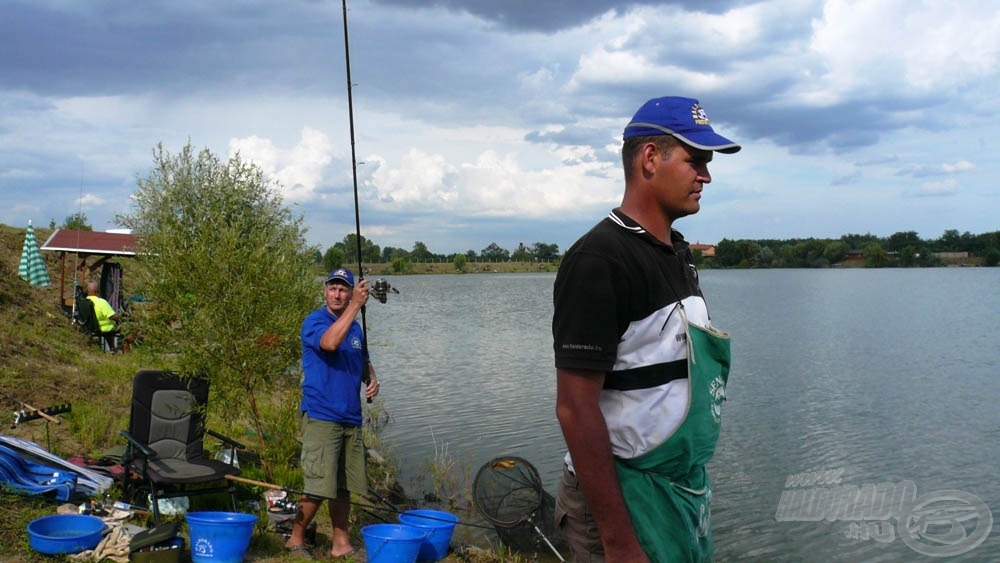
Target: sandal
{"type": "Point", "coordinates": [300, 552]}
{"type": "Point", "coordinates": [356, 555]}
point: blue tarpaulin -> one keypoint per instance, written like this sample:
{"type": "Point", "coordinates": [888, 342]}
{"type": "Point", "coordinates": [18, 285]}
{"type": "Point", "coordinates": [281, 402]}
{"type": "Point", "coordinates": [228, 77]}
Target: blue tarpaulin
{"type": "Point", "coordinates": [86, 481]}
{"type": "Point", "coordinates": [33, 478]}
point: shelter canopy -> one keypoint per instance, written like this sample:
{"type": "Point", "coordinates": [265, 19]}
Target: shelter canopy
{"type": "Point", "coordinates": [85, 244]}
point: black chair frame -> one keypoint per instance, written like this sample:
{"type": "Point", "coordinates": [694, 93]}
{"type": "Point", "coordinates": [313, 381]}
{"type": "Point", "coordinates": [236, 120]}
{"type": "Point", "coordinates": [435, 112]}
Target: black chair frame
{"type": "Point", "coordinates": [165, 441]}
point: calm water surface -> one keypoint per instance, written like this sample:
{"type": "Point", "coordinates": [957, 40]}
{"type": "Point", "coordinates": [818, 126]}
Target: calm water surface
{"type": "Point", "coordinates": [882, 375]}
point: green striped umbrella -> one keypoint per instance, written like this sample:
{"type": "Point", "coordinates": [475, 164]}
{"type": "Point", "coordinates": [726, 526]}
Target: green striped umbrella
{"type": "Point", "coordinates": [32, 268]}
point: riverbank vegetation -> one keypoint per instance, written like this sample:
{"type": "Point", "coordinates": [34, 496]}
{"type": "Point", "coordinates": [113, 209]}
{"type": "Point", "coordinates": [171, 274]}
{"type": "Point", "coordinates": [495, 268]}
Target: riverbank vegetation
{"type": "Point", "coordinates": [901, 249]}
{"type": "Point", "coordinates": [224, 292]}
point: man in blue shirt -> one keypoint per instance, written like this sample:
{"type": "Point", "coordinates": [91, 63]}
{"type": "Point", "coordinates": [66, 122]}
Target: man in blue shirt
{"type": "Point", "coordinates": [335, 364]}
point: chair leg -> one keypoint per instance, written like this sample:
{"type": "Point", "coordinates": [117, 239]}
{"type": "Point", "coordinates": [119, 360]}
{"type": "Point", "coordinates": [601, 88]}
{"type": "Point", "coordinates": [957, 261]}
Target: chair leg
{"type": "Point", "coordinates": [155, 502]}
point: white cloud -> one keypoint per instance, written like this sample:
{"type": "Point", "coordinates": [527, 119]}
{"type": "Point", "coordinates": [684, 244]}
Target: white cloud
{"type": "Point", "coordinates": [946, 168]}
{"type": "Point", "coordinates": [90, 200]}
{"type": "Point", "coordinates": [420, 179]}
{"type": "Point", "coordinates": [299, 170]}
{"type": "Point", "coordinates": [490, 185]}
{"type": "Point", "coordinates": [959, 166]}
{"type": "Point", "coordinates": [901, 48]}
{"type": "Point", "coordinates": [944, 188]}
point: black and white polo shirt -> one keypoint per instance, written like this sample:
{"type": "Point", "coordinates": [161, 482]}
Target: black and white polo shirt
{"type": "Point", "coordinates": [616, 311]}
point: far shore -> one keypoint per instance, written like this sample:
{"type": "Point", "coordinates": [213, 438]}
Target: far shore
{"type": "Point", "coordinates": [419, 268]}
{"type": "Point", "coordinates": [385, 269]}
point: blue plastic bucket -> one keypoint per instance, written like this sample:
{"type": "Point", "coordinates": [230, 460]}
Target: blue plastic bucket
{"type": "Point", "coordinates": [439, 526]}
{"type": "Point", "coordinates": [65, 533]}
{"type": "Point", "coordinates": [219, 537]}
{"type": "Point", "coordinates": [392, 543]}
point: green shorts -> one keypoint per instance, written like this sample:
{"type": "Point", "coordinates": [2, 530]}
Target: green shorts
{"type": "Point", "coordinates": [333, 458]}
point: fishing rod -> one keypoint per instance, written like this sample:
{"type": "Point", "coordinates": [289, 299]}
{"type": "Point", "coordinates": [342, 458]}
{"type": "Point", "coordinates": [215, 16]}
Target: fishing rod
{"type": "Point", "coordinates": [366, 376]}
{"type": "Point", "coordinates": [392, 507]}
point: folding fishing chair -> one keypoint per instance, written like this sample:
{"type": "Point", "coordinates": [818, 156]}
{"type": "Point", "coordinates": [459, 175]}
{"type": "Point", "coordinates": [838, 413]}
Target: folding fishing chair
{"type": "Point", "coordinates": [165, 441]}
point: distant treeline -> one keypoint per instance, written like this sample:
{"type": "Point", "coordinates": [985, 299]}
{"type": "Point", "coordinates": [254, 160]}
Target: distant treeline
{"type": "Point", "coordinates": [345, 252]}
{"type": "Point", "coordinates": [902, 249]}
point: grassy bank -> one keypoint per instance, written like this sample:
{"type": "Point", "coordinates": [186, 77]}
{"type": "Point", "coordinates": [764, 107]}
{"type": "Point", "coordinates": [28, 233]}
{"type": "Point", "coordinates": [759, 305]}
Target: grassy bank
{"type": "Point", "coordinates": [45, 361]}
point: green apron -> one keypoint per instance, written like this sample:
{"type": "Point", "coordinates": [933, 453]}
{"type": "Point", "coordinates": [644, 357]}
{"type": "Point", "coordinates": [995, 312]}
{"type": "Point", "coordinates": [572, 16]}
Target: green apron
{"type": "Point", "coordinates": [666, 489]}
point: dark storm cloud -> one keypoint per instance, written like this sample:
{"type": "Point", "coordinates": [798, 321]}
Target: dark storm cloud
{"type": "Point", "coordinates": [100, 48]}
{"type": "Point", "coordinates": [848, 125]}
{"type": "Point", "coordinates": [551, 15]}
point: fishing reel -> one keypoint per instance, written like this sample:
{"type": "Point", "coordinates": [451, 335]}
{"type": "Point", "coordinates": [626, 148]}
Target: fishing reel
{"type": "Point", "coordinates": [380, 289]}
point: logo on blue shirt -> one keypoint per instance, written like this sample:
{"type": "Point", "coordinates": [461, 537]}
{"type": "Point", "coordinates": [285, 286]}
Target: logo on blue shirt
{"type": "Point", "coordinates": [356, 343]}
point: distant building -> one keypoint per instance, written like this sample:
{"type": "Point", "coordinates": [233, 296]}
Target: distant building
{"type": "Point", "coordinates": [951, 255]}
{"type": "Point", "coordinates": [707, 250]}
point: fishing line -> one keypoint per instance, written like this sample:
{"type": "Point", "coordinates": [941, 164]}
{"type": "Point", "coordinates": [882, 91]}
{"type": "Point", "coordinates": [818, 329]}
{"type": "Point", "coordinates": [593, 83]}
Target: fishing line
{"type": "Point", "coordinates": [76, 255]}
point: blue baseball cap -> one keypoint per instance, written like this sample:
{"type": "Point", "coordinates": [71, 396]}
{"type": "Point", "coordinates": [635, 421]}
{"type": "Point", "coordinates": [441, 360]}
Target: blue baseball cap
{"type": "Point", "coordinates": [341, 275]}
{"type": "Point", "coordinates": [683, 118]}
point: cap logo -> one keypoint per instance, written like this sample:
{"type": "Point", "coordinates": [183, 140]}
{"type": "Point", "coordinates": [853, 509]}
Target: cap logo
{"type": "Point", "coordinates": [699, 115]}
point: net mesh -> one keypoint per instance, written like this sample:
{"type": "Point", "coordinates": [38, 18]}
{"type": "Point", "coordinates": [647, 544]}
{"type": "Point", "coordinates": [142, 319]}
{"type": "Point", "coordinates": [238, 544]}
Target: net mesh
{"type": "Point", "coordinates": [508, 492]}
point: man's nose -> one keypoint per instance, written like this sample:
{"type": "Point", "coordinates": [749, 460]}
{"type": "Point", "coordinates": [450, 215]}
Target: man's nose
{"type": "Point", "coordinates": [705, 176]}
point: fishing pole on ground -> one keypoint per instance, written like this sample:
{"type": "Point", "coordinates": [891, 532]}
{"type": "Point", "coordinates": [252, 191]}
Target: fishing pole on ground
{"type": "Point", "coordinates": [387, 502]}
{"type": "Point", "coordinates": [507, 492]}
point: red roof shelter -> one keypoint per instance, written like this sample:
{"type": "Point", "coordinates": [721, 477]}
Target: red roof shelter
{"type": "Point", "coordinates": [85, 244]}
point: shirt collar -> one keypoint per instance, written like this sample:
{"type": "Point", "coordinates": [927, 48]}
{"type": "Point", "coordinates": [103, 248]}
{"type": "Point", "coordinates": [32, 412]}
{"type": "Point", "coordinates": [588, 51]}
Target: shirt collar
{"type": "Point", "coordinates": [625, 222]}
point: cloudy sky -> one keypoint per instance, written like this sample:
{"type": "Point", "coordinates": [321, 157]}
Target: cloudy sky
{"type": "Point", "coordinates": [482, 121]}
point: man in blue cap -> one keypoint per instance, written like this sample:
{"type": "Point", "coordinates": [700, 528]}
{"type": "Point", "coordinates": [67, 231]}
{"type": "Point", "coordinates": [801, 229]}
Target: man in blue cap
{"type": "Point", "coordinates": [334, 363]}
{"type": "Point", "coordinates": [639, 416]}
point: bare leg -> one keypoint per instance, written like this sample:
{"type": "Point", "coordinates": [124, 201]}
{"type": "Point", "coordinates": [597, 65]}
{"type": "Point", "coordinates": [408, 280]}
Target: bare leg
{"type": "Point", "coordinates": [308, 507]}
{"type": "Point", "coordinates": [340, 509]}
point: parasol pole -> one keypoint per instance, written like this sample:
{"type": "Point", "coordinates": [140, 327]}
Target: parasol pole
{"type": "Point", "coordinates": [366, 376]}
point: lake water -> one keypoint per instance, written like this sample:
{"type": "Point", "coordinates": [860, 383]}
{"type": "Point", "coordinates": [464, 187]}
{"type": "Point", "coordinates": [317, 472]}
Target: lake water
{"type": "Point", "coordinates": [876, 376]}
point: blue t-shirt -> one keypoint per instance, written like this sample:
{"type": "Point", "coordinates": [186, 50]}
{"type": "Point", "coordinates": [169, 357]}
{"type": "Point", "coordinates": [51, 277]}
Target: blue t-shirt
{"type": "Point", "coordinates": [331, 387]}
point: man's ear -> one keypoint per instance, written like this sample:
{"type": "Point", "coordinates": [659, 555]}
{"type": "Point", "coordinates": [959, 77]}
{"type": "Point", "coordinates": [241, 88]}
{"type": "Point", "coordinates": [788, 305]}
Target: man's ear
{"type": "Point", "coordinates": [647, 158]}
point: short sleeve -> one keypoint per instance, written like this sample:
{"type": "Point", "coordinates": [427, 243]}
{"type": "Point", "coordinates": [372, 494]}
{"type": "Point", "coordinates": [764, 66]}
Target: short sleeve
{"type": "Point", "coordinates": [585, 327]}
{"type": "Point", "coordinates": [313, 328]}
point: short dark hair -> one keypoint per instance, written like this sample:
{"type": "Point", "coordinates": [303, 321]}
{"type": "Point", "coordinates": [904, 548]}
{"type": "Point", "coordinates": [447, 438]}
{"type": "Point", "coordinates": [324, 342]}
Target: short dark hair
{"type": "Point", "coordinates": [630, 149]}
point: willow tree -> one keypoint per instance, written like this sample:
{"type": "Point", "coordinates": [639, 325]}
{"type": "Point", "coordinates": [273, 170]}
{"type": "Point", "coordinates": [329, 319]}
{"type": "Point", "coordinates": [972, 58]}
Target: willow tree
{"type": "Point", "coordinates": [226, 270]}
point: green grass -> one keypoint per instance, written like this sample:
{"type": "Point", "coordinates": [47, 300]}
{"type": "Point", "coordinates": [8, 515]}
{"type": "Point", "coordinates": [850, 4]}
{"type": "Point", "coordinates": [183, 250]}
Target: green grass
{"type": "Point", "coordinates": [45, 361]}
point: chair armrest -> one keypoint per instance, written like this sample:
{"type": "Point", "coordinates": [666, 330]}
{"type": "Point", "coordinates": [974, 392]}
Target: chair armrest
{"type": "Point", "coordinates": [143, 448]}
{"type": "Point", "coordinates": [226, 439]}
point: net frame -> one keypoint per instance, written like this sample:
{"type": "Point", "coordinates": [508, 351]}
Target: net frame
{"type": "Point", "coordinates": [507, 491]}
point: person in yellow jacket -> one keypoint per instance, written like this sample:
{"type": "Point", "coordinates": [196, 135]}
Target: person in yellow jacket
{"type": "Point", "coordinates": [107, 319]}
